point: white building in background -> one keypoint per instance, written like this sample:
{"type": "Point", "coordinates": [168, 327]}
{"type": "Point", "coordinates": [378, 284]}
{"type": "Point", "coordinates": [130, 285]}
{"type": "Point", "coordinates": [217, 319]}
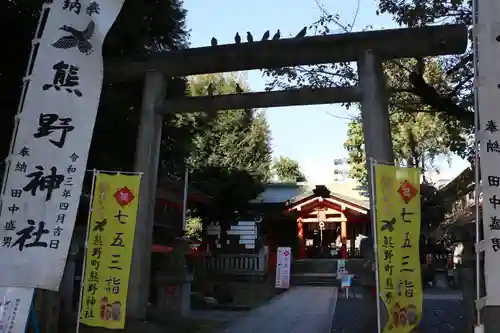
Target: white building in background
{"type": "Point", "coordinates": [341, 174]}
{"type": "Point", "coordinates": [341, 169]}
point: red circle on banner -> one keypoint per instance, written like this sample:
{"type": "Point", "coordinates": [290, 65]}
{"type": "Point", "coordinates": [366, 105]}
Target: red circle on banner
{"type": "Point", "coordinates": [286, 253]}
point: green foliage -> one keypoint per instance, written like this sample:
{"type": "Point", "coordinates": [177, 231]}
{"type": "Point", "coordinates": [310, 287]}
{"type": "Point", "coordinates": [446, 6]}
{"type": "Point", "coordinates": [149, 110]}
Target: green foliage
{"type": "Point", "coordinates": [414, 13]}
{"type": "Point", "coordinates": [237, 139]}
{"type": "Point", "coordinates": [451, 96]}
{"type": "Point", "coordinates": [433, 208]}
{"type": "Point", "coordinates": [457, 101]}
{"type": "Point", "coordinates": [288, 170]}
{"type": "Point", "coordinates": [418, 137]}
{"type": "Point", "coordinates": [194, 227]}
{"type": "Point", "coordinates": [231, 157]}
{"type": "Point", "coordinates": [355, 148]}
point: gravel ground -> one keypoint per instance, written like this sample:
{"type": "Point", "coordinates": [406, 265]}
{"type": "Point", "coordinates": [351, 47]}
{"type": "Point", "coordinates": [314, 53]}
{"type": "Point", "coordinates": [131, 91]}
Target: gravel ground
{"type": "Point", "coordinates": [440, 316]}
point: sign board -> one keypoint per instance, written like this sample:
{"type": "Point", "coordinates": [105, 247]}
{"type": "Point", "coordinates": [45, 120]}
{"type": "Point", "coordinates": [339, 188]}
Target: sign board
{"type": "Point", "coordinates": [15, 305]}
{"type": "Point", "coordinates": [346, 281]}
{"type": "Point", "coordinates": [397, 199]}
{"type": "Point", "coordinates": [48, 159]}
{"type": "Point", "coordinates": [283, 265]}
{"type": "Point", "coordinates": [109, 251]}
{"type": "Point", "coordinates": [341, 268]}
{"type": "Point", "coordinates": [487, 79]}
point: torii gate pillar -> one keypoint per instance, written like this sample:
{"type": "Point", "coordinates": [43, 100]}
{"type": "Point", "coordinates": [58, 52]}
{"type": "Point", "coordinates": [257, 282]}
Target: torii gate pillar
{"type": "Point", "coordinates": [375, 110]}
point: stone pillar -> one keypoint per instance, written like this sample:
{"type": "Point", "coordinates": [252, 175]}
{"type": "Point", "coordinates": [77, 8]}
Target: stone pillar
{"type": "Point", "coordinates": [374, 110]}
{"type": "Point", "coordinates": [146, 161]}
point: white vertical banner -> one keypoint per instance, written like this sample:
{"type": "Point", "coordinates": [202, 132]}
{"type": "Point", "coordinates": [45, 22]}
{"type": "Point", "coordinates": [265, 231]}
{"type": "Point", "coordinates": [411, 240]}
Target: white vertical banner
{"type": "Point", "coordinates": [283, 265]}
{"type": "Point", "coordinates": [15, 305]}
{"type": "Point", "coordinates": [487, 32]}
{"type": "Point", "coordinates": [47, 164]}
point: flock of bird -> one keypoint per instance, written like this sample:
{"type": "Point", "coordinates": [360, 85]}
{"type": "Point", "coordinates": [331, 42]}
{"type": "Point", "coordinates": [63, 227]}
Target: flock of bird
{"type": "Point", "coordinates": [211, 89]}
{"type": "Point", "coordinates": [267, 34]}
{"type": "Point", "coordinates": [237, 39]}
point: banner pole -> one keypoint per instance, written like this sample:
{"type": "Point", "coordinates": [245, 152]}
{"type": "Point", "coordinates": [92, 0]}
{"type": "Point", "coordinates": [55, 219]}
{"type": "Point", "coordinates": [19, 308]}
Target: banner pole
{"type": "Point", "coordinates": [185, 199]}
{"type": "Point", "coordinates": [477, 179]}
{"type": "Point", "coordinates": [84, 263]}
{"type": "Point", "coordinates": [375, 246]}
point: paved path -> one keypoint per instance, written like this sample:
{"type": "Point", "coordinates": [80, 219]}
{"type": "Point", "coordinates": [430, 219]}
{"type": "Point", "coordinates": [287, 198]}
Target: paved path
{"type": "Point", "coordinates": [299, 310]}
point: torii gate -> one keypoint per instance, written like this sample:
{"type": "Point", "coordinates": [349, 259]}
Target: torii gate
{"type": "Point", "coordinates": [368, 49]}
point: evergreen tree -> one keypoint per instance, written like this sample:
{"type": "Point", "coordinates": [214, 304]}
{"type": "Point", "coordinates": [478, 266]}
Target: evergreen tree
{"type": "Point", "coordinates": [231, 158]}
{"type": "Point", "coordinates": [288, 170]}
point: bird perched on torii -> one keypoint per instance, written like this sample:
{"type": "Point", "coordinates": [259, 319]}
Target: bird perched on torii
{"type": "Point", "coordinates": [249, 37]}
{"type": "Point", "coordinates": [238, 89]}
{"type": "Point", "coordinates": [302, 33]}
{"type": "Point", "coordinates": [210, 90]}
{"type": "Point", "coordinates": [265, 36]}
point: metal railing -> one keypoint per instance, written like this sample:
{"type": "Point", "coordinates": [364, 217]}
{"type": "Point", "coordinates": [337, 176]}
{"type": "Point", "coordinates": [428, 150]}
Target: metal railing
{"type": "Point", "coordinates": [246, 264]}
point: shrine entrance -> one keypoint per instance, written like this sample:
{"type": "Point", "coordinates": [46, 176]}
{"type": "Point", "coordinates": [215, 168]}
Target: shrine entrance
{"type": "Point", "coordinates": [329, 224]}
{"type": "Point", "coordinates": [368, 49]}
{"type": "Point", "coordinates": [321, 239]}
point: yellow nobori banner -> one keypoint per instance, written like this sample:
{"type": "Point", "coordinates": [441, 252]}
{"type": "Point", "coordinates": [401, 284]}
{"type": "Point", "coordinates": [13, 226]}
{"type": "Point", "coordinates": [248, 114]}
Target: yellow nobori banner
{"type": "Point", "coordinates": [109, 250]}
{"type": "Point", "coordinates": [398, 211]}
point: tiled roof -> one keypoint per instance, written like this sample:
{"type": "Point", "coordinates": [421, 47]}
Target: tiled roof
{"type": "Point", "coordinates": [280, 192]}
{"type": "Point", "coordinates": [289, 193]}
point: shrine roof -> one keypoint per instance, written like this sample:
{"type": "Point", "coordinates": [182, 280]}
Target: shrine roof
{"type": "Point", "coordinates": [458, 186]}
{"type": "Point", "coordinates": [290, 193]}
{"type": "Point", "coordinates": [275, 193]}
{"type": "Point", "coordinates": [348, 191]}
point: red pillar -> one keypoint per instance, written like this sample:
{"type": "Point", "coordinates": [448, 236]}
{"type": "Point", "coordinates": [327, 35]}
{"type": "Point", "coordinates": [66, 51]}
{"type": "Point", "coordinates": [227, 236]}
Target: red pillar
{"type": "Point", "coordinates": [300, 235]}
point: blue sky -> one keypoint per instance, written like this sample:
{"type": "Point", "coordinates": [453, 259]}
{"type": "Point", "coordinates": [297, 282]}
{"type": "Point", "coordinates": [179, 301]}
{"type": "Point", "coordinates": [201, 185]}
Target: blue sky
{"type": "Point", "coordinates": [313, 135]}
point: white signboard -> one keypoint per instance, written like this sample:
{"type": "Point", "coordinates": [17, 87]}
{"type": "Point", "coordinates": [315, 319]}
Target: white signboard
{"type": "Point", "coordinates": [341, 268]}
{"type": "Point", "coordinates": [48, 159]}
{"type": "Point", "coordinates": [283, 265]}
{"type": "Point", "coordinates": [15, 304]}
{"type": "Point", "coordinates": [488, 85]}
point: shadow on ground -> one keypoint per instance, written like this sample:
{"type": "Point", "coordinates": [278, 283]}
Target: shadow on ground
{"type": "Point", "coordinates": [439, 316]}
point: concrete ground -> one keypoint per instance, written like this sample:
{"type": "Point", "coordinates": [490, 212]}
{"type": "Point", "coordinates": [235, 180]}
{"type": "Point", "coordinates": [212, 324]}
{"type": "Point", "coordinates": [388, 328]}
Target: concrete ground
{"type": "Point", "coordinates": [442, 313]}
{"type": "Point", "coordinates": [302, 309]}
{"type": "Point", "coordinates": [311, 309]}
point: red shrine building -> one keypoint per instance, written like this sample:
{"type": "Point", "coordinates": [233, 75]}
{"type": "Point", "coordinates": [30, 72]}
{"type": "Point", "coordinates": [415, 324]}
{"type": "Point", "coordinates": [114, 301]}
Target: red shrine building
{"type": "Point", "coordinates": [317, 222]}
{"type": "Point", "coordinates": [327, 221]}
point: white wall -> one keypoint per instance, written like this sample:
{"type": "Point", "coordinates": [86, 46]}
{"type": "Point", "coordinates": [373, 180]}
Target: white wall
{"type": "Point", "coordinates": [246, 230]}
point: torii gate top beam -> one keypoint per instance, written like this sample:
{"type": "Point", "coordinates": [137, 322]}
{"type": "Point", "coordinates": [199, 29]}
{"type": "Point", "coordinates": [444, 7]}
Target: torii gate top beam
{"type": "Point", "coordinates": [387, 44]}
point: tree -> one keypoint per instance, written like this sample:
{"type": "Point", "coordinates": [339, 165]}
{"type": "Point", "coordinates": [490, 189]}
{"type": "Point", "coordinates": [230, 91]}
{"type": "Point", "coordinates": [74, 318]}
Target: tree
{"type": "Point", "coordinates": [194, 227]}
{"type": "Point", "coordinates": [288, 170]}
{"type": "Point", "coordinates": [142, 27]}
{"type": "Point", "coordinates": [457, 100]}
{"type": "Point", "coordinates": [231, 158]}
{"type": "Point", "coordinates": [418, 136]}
{"type": "Point", "coordinates": [453, 100]}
